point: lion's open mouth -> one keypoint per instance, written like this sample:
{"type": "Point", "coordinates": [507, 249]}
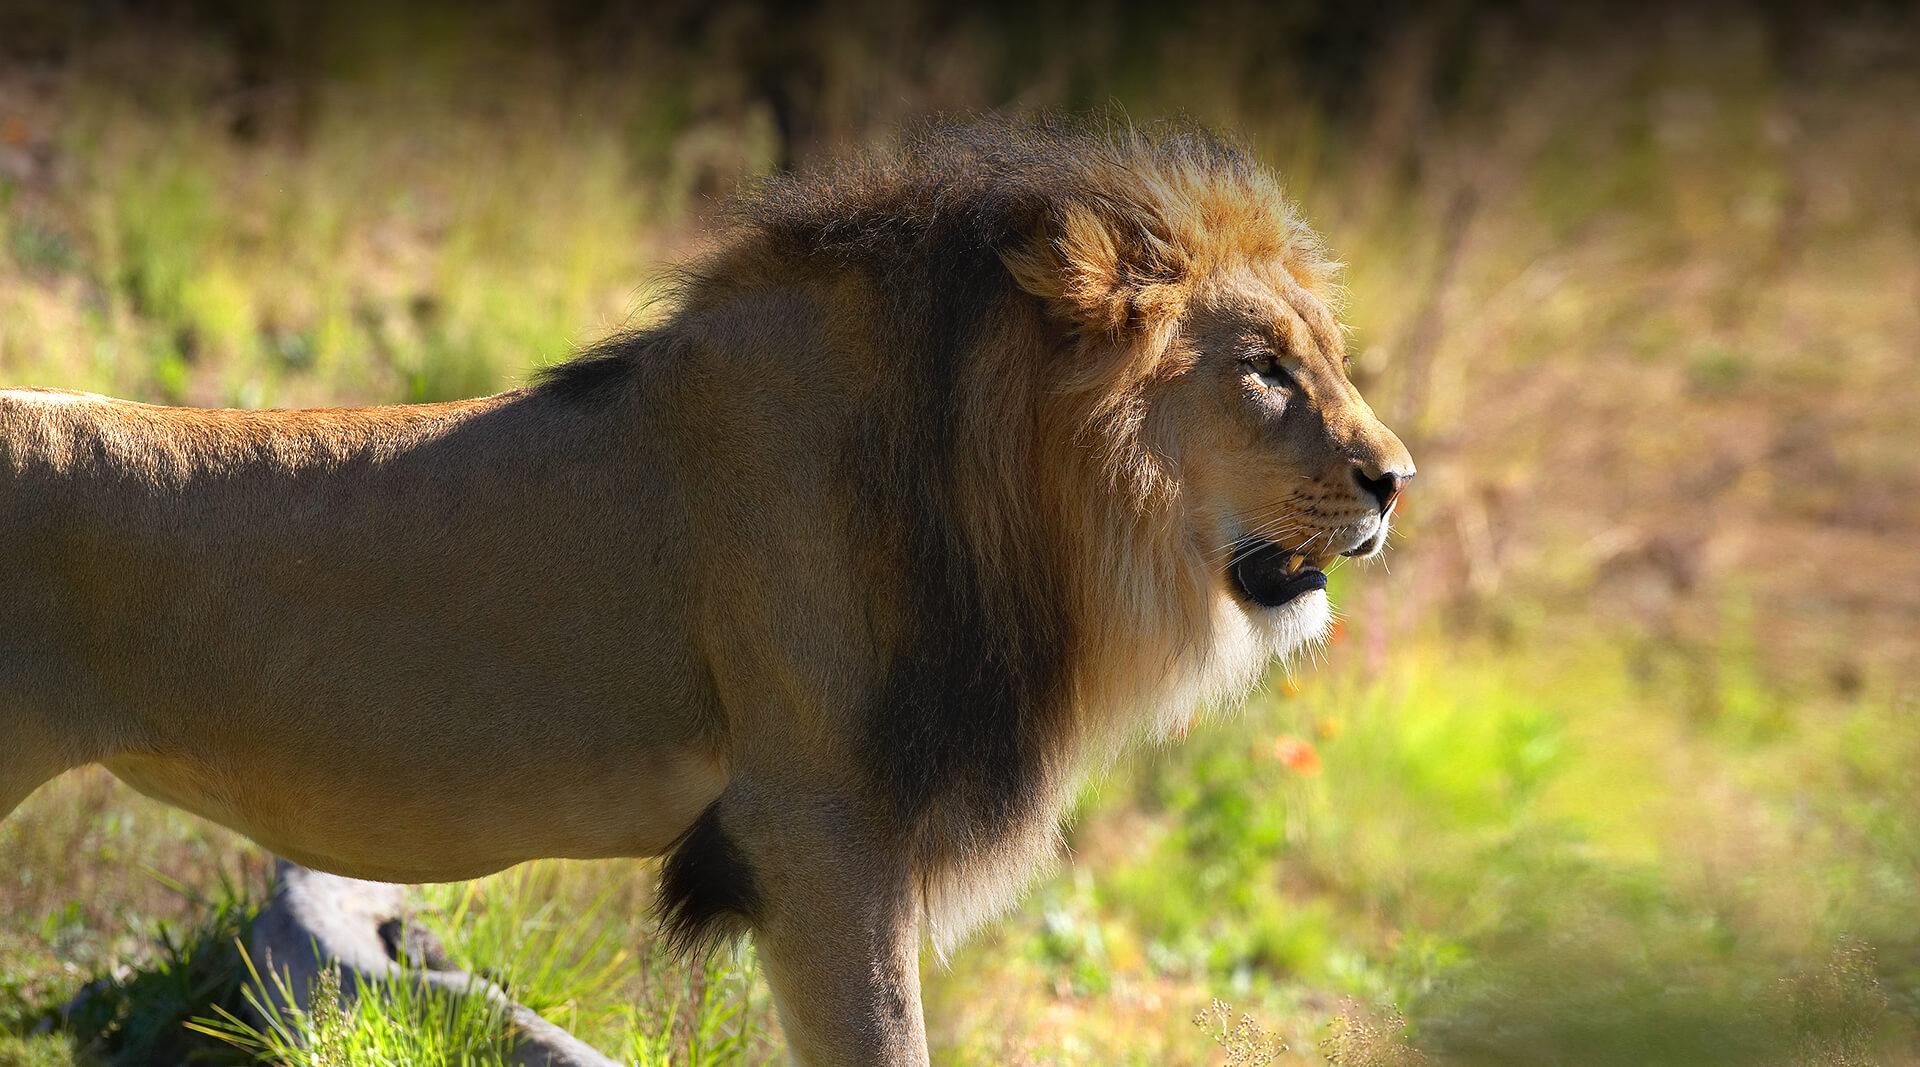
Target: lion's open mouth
{"type": "Point", "coordinates": [1269, 574]}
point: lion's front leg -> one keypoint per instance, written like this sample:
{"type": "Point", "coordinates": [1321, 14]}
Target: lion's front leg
{"type": "Point", "coordinates": [842, 956]}
{"type": "Point", "coordinates": [834, 917]}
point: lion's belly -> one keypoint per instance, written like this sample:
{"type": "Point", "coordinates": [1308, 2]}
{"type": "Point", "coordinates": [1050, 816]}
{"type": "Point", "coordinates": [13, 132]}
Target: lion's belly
{"type": "Point", "coordinates": [443, 825]}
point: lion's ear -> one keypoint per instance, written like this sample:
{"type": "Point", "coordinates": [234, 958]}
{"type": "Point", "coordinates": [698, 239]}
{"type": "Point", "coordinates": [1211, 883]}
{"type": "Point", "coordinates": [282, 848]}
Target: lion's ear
{"type": "Point", "coordinates": [1086, 270]}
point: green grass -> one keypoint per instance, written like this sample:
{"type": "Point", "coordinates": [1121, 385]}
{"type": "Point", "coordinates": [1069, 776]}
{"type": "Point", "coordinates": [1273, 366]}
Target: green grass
{"type": "Point", "coordinates": [1502, 851]}
{"type": "Point", "coordinates": [403, 1023]}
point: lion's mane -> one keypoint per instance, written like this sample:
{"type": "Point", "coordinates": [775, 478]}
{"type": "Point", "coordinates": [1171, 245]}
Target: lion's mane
{"type": "Point", "coordinates": [1047, 584]}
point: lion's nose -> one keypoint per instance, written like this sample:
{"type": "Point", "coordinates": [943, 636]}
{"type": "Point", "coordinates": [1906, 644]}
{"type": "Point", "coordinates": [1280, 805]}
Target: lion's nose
{"type": "Point", "coordinates": [1384, 486]}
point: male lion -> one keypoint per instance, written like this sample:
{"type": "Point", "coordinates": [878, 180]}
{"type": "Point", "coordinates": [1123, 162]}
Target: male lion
{"type": "Point", "coordinates": [947, 474]}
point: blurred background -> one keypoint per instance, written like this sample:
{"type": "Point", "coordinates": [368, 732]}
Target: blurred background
{"type": "Point", "coordinates": [1614, 760]}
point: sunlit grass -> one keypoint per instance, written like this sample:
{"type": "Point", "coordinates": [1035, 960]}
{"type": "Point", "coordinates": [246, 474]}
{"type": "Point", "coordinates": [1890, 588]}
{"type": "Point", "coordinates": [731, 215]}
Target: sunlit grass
{"type": "Point", "coordinates": [576, 943]}
{"type": "Point", "coordinates": [1500, 849]}
{"type": "Point", "coordinates": [405, 1023]}
{"type": "Point", "coordinates": [400, 1022]}
{"type": "Point", "coordinates": [519, 932]}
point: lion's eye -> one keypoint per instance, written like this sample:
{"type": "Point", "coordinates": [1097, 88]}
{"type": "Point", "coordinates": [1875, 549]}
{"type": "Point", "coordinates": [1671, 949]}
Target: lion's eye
{"type": "Point", "coordinates": [1263, 366]}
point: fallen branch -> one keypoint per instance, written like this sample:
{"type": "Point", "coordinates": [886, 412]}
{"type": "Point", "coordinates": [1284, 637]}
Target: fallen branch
{"type": "Point", "coordinates": [315, 921]}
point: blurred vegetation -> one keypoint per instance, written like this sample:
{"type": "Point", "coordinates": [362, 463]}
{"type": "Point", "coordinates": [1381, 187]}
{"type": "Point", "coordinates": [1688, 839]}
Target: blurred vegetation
{"type": "Point", "coordinates": [1619, 764]}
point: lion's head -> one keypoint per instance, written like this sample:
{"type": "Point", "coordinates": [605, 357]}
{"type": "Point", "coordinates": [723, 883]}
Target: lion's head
{"type": "Point", "coordinates": [1208, 368]}
{"type": "Point", "coordinates": [1205, 305]}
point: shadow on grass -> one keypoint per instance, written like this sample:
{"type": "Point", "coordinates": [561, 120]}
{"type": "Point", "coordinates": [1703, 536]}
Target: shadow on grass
{"type": "Point", "coordinates": [139, 1015]}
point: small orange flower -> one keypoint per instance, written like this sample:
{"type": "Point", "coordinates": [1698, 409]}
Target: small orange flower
{"type": "Point", "coordinates": [1290, 687]}
{"type": "Point", "coordinates": [1297, 754]}
{"type": "Point", "coordinates": [1337, 632]}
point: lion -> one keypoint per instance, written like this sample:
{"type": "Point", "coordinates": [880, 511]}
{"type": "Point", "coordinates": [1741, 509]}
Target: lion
{"type": "Point", "coordinates": [949, 472]}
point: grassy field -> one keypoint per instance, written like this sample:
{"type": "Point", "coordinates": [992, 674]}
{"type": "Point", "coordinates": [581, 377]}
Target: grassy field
{"type": "Point", "coordinates": [1616, 761]}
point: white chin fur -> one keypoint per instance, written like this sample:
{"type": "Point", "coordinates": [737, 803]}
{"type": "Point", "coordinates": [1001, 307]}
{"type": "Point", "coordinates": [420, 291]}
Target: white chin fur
{"type": "Point", "coordinates": [1243, 645]}
{"type": "Point", "coordinates": [1293, 626]}
{"type": "Point", "coordinates": [1248, 639]}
